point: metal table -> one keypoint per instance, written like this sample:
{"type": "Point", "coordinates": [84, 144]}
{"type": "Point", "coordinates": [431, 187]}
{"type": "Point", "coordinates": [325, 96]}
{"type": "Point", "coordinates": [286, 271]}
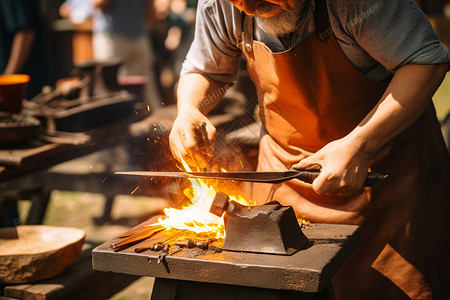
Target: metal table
{"type": "Point", "coordinates": [191, 273]}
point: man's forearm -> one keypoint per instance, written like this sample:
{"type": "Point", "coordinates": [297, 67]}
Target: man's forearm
{"type": "Point", "coordinates": [405, 99]}
{"type": "Point", "coordinates": [200, 92]}
{"type": "Point", "coordinates": [102, 4]}
{"type": "Point", "coordinates": [197, 95]}
{"type": "Point", "coordinates": [20, 50]}
{"type": "Point", "coordinates": [344, 162]}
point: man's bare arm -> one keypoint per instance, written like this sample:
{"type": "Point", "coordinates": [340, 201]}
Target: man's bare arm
{"type": "Point", "coordinates": [405, 99]}
{"type": "Point", "coordinates": [102, 4]}
{"type": "Point", "coordinates": [197, 95]}
{"type": "Point", "coordinates": [20, 50]}
{"type": "Point", "coordinates": [345, 162]}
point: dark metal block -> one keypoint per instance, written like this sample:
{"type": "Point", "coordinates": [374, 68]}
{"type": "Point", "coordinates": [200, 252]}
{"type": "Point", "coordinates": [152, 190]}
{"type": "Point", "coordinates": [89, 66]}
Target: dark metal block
{"type": "Point", "coordinates": [87, 116]}
{"type": "Point", "coordinates": [219, 204]}
{"type": "Point", "coordinates": [269, 228]}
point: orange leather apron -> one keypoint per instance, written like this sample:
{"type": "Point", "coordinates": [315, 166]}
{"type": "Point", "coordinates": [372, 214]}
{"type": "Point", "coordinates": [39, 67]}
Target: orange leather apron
{"type": "Point", "coordinates": [311, 95]}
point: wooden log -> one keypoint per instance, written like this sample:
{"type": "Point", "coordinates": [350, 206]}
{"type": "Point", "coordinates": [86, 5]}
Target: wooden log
{"type": "Point", "coordinates": [31, 253]}
{"type": "Point", "coordinates": [78, 282]}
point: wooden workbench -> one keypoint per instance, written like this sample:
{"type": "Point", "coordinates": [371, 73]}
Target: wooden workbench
{"type": "Point", "coordinates": [237, 275]}
{"type": "Point", "coordinates": [38, 156]}
{"type": "Point", "coordinates": [23, 171]}
{"type": "Point", "coordinates": [22, 163]}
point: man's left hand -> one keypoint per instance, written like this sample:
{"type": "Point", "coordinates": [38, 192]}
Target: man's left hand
{"type": "Point", "coordinates": [343, 168]}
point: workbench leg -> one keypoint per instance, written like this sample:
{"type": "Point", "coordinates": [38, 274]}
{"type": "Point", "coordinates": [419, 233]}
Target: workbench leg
{"type": "Point", "coordinates": [171, 289]}
{"type": "Point", "coordinates": [8, 213]}
{"type": "Point", "coordinates": [2, 213]}
{"type": "Point", "coordinates": [38, 207]}
{"type": "Point", "coordinates": [326, 294]}
{"type": "Point", "coordinates": [10, 198]}
{"type": "Point", "coordinates": [106, 211]}
{"type": "Point", "coordinates": [164, 289]}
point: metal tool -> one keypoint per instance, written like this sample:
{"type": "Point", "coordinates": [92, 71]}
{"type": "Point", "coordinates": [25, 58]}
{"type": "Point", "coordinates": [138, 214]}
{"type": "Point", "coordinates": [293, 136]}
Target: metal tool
{"type": "Point", "coordinates": [263, 177]}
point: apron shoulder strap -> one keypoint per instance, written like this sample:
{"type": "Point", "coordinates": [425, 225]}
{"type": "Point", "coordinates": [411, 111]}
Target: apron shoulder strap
{"type": "Point", "coordinates": [322, 21]}
{"type": "Point", "coordinates": [247, 32]}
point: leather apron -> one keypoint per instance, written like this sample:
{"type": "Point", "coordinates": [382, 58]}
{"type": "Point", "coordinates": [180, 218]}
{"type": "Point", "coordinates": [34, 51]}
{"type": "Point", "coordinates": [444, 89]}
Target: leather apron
{"type": "Point", "coordinates": [311, 95]}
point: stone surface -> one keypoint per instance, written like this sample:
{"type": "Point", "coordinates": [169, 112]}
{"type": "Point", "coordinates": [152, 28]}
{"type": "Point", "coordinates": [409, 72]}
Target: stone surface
{"type": "Point", "coordinates": [31, 253]}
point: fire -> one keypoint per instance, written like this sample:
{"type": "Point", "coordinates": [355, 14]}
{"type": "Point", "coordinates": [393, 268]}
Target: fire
{"type": "Point", "coordinates": [195, 216]}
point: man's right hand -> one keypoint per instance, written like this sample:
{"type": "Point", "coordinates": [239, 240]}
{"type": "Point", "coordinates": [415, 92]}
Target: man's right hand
{"type": "Point", "coordinates": [191, 140]}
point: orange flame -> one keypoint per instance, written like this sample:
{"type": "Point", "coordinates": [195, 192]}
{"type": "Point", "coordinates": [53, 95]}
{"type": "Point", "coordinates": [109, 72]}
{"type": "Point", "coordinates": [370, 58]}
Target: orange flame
{"type": "Point", "coordinates": [196, 216]}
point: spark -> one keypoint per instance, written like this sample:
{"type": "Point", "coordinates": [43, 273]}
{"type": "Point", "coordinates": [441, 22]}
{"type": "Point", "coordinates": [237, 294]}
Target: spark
{"type": "Point", "coordinates": [148, 108]}
{"type": "Point", "coordinates": [134, 190]}
{"type": "Point", "coordinates": [104, 179]}
{"type": "Point", "coordinates": [304, 220]}
{"type": "Point", "coordinates": [136, 112]}
{"type": "Point", "coordinates": [241, 164]}
{"type": "Point", "coordinates": [155, 141]}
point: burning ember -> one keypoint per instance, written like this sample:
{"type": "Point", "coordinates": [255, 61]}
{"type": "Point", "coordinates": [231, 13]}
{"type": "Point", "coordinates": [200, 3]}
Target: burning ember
{"type": "Point", "coordinates": [195, 216]}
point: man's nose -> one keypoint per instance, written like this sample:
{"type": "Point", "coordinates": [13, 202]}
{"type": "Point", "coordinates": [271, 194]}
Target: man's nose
{"type": "Point", "coordinates": [247, 6]}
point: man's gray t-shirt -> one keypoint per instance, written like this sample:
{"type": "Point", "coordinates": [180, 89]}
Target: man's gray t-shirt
{"type": "Point", "coordinates": [377, 36]}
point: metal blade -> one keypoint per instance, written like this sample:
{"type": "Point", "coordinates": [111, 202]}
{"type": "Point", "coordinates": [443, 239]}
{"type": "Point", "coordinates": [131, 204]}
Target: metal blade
{"type": "Point", "coordinates": [268, 177]}
{"type": "Point", "coordinates": [263, 177]}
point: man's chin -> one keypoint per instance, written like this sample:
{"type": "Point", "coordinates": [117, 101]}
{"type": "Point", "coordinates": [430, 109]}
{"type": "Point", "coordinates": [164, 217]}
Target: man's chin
{"type": "Point", "coordinates": [281, 23]}
{"type": "Point", "coordinates": [269, 14]}
{"type": "Point", "coordinates": [276, 21]}
{"type": "Point", "coordinates": [267, 10]}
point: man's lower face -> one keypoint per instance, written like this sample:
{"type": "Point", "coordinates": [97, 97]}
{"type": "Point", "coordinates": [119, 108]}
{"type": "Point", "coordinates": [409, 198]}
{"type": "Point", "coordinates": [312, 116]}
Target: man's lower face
{"type": "Point", "coordinates": [276, 17]}
{"type": "Point", "coordinates": [264, 8]}
{"type": "Point", "coordinates": [282, 21]}
{"type": "Point", "coordinates": [267, 9]}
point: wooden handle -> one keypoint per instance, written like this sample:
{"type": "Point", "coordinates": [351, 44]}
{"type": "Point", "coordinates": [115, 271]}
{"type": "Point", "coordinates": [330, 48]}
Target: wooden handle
{"type": "Point", "coordinates": [372, 177]}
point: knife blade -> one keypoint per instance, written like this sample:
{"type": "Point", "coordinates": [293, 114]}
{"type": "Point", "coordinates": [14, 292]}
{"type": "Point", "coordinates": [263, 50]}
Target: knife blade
{"type": "Point", "coordinates": [261, 177]}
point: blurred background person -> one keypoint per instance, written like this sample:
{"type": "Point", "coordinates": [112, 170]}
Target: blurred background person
{"type": "Point", "coordinates": [24, 46]}
{"type": "Point", "coordinates": [24, 49]}
{"type": "Point", "coordinates": [172, 34]}
{"type": "Point", "coordinates": [120, 31]}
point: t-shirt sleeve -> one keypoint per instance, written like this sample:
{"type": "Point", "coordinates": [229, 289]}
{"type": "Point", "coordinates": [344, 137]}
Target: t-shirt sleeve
{"type": "Point", "coordinates": [214, 51]}
{"type": "Point", "coordinates": [394, 33]}
{"type": "Point", "coordinates": [18, 15]}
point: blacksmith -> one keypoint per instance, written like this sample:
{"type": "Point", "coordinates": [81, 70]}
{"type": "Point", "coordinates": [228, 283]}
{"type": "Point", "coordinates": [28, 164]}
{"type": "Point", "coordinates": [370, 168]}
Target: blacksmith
{"type": "Point", "coordinates": [343, 87]}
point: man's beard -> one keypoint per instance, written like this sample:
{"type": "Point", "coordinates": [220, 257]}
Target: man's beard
{"type": "Point", "coordinates": [286, 21]}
